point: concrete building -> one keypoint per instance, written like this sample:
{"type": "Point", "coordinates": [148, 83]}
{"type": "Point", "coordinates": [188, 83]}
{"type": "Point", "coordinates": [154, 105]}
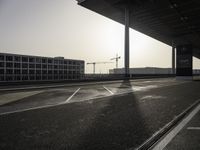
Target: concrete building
{"type": "Point", "coordinates": [147, 70]}
{"type": "Point", "coordinates": [14, 67]}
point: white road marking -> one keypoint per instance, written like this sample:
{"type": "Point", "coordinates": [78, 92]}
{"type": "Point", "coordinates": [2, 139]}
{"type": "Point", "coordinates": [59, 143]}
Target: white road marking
{"type": "Point", "coordinates": [83, 84]}
{"type": "Point", "coordinates": [65, 85]}
{"type": "Point", "coordinates": [58, 104]}
{"type": "Point", "coordinates": [108, 90]}
{"type": "Point", "coordinates": [193, 128]}
{"type": "Point", "coordinates": [54, 105]}
{"type": "Point", "coordinates": [166, 140]}
{"type": "Point", "coordinates": [67, 100]}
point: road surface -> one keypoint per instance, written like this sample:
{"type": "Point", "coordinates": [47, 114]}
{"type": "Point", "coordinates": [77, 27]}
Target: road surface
{"type": "Point", "coordinates": [100, 116]}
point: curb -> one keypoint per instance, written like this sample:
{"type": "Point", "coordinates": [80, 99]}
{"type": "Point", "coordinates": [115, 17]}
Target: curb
{"type": "Point", "coordinates": [151, 142]}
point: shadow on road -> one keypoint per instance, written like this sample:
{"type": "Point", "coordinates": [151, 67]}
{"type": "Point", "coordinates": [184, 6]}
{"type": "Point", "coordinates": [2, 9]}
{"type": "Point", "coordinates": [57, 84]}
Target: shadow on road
{"type": "Point", "coordinates": [118, 125]}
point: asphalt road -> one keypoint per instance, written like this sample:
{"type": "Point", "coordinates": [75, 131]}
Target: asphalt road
{"type": "Point", "coordinates": [107, 116]}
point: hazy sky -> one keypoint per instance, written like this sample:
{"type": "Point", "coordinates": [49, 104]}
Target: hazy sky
{"type": "Point", "coordinates": [62, 28]}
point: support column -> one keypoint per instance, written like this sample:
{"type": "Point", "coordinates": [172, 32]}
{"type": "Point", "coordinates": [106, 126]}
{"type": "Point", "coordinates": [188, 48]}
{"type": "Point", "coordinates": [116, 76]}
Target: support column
{"type": "Point", "coordinates": [126, 43]}
{"type": "Point", "coordinates": [93, 68]}
{"type": "Point", "coordinates": [173, 60]}
{"type": "Point", "coordinates": [184, 55]}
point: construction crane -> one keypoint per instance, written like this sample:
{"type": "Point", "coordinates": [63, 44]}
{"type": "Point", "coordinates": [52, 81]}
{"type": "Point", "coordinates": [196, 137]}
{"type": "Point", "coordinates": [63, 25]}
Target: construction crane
{"type": "Point", "coordinates": [116, 58]}
{"type": "Point", "coordinates": [94, 64]}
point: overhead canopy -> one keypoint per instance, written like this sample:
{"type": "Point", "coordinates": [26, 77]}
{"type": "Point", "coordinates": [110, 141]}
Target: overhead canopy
{"type": "Point", "coordinates": [168, 21]}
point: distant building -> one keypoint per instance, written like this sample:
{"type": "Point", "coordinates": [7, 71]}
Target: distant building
{"type": "Point", "coordinates": [147, 70]}
{"type": "Point", "coordinates": [15, 67]}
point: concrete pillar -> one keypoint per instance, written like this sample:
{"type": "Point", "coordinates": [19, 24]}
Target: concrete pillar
{"type": "Point", "coordinates": [173, 60]}
{"type": "Point", "coordinates": [184, 55]}
{"type": "Point", "coordinates": [126, 43]}
{"type": "Point", "coordinates": [93, 68]}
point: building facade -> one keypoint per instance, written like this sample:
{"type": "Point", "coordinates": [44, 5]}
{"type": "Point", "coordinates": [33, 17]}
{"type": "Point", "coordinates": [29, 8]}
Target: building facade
{"type": "Point", "coordinates": [14, 67]}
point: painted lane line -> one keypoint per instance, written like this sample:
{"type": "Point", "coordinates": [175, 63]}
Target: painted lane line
{"type": "Point", "coordinates": [58, 104]}
{"type": "Point", "coordinates": [168, 138]}
{"type": "Point", "coordinates": [67, 100]}
{"type": "Point", "coordinates": [79, 84]}
{"type": "Point", "coordinates": [108, 90]}
{"type": "Point", "coordinates": [54, 105]}
{"type": "Point", "coordinates": [193, 128]}
{"type": "Point", "coordinates": [28, 109]}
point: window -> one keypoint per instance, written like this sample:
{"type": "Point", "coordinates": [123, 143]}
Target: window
{"type": "Point", "coordinates": [24, 77]}
{"type": "Point", "coordinates": [24, 71]}
{"type": "Point", "coordinates": [31, 65]}
{"type": "Point", "coordinates": [65, 62]}
{"type": "Point", "coordinates": [9, 65]}
{"type": "Point", "coordinates": [50, 77]}
{"type": "Point", "coordinates": [1, 64]}
{"type": "Point", "coordinates": [38, 60]}
{"type": "Point", "coordinates": [50, 72]}
{"type": "Point", "coordinates": [55, 77]}
{"type": "Point", "coordinates": [17, 65]}
{"type": "Point", "coordinates": [61, 77]}
{"type": "Point", "coordinates": [1, 71]}
{"type": "Point", "coordinates": [55, 61]}
{"type": "Point", "coordinates": [55, 67]}
{"type": "Point", "coordinates": [38, 71]}
{"type": "Point", "coordinates": [44, 66]}
{"type": "Point", "coordinates": [50, 67]}
{"type": "Point", "coordinates": [60, 66]}
{"type": "Point", "coordinates": [8, 78]}
{"type": "Point", "coordinates": [32, 78]}
{"type": "Point", "coordinates": [31, 59]}
{"type": "Point", "coordinates": [38, 65]}
{"type": "Point", "coordinates": [65, 77]}
{"type": "Point", "coordinates": [17, 71]}
{"type": "Point", "coordinates": [31, 71]}
{"type": "Point", "coordinates": [2, 57]}
{"type": "Point", "coordinates": [1, 78]}
{"type": "Point", "coordinates": [17, 78]}
{"type": "Point", "coordinates": [9, 71]}
{"type": "Point", "coordinates": [9, 58]}
{"type": "Point", "coordinates": [50, 61]}
{"type": "Point", "coordinates": [38, 77]}
{"type": "Point", "coordinates": [17, 58]}
{"type": "Point", "coordinates": [65, 67]}
{"type": "Point", "coordinates": [44, 60]}
{"type": "Point", "coordinates": [60, 61]}
{"type": "Point", "coordinates": [44, 77]}
{"type": "Point", "coordinates": [24, 65]}
{"type": "Point", "coordinates": [44, 72]}
{"type": "Point", "coordinates": [24, 59]}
